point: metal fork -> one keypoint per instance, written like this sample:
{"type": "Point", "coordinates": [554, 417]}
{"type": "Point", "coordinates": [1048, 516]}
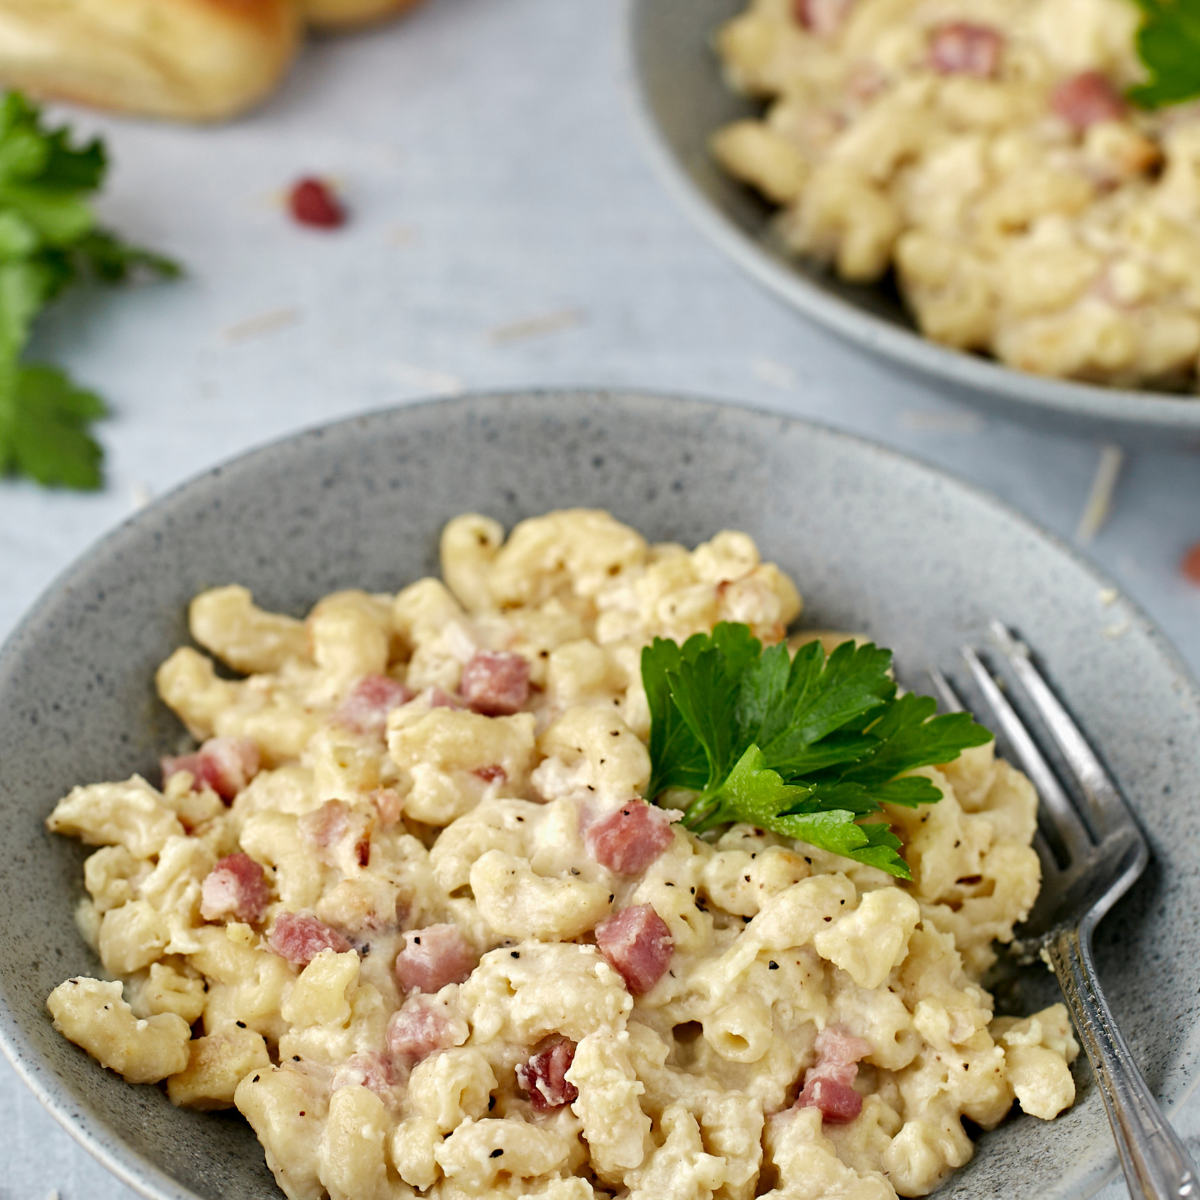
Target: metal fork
{"type": "Point", "coordinates": [1091, 856]}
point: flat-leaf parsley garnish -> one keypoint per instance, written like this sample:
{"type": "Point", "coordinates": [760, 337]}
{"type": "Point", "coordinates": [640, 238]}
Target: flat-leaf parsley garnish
{"type": "Point", "coordinates": [804, 746]}
{"type": "Point", "coordinates": [1168, 43]}
{"type": "Point", "coordinates": [49, 238]}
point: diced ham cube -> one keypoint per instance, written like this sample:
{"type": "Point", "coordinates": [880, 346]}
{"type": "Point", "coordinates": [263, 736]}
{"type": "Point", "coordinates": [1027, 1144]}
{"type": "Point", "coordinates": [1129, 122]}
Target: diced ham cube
{"type": "Point", "coordinates": [369, 1070]}
{"type": "Point", "coordinates": [389, 804]}
{"type": "Point", "coordinates": [828, 1082]}
{"type": "Point", "coordinates": [365, 708]}
{"type": "Point", "coordinates": [336, 831]}
{"type": "Point", "coordinates": [839, 1102]}
{"type": "Point", "coordinates": [235, 887]}
{"type": "Point", "coordinates": [492, 773]}
{"type": "Point", "coordinates": [963, 48]}
{"type": "Point", "coordinates": [544, 1076]}
{"type": "Point", "coordinates": [1190, 565]}
{"type": "Point", "coordinates": [1087, 99]}
{"type": "Point", "coordinates": [433, 957]}
{"type": "Point", "coordinates": [629, 840]}
{"type": "Point", "coordinates": [837, 1046]}
{"type": "Point", "coordinates": [224, 764]}
{"type": "Point", "coordinates": [416, 1030]}
{"type": "Point", "coordinates": [327, 824]}
{"type": "Point", "coordinates": [313, 202]}
{"type": "Point", "coordinates": [822, 17]}
{"type": "Point", "coordinates": [300, 939]}
{"type": "Point", "coordinates": [638, 946]}
{"type": "Point", "coordinates": [495, 683]}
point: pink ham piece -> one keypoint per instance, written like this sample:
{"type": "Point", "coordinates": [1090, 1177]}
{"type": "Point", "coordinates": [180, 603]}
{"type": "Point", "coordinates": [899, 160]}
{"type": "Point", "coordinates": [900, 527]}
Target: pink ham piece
{"type": "Point", "coordinates": [300, 939]}
{"type": "Point", "coordinates": [828, 1082]}
{"type": "Point", "coordinates": [822, 17]}
{"type": "Point", "coordinates": [365, 708]}
{"type": "Point", "coordinates": [638, 946]}
{"type": "Point", "coordinates": [369, 1070]}
{"type": "Point", "coordinates": [544, 1076]}
{"type": "Point", "coordinates": [433, 957]}
{"type": "Point", "coordinates": [224, 764]}
{"type": "Point", "coordinates": [962, 48]}
{"type": "Point", "coordinates": [389, 804]}
{"type": "Point", "coordinates": [235, 887]}
{"type": "Point", "coordinates": [1087, 99]}
{"type": "Point", "coordinates": [326, 824]}
{"type": "Point", "coordinates": [415, 1031]}
{"type": "Point", "coordinates": [629, 840]}
{"type": "Point", "coordinates": [495, 683]}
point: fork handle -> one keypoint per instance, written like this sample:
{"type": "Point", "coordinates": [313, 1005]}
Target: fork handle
{"type": "Point", "coordinates": [1157, 1164]}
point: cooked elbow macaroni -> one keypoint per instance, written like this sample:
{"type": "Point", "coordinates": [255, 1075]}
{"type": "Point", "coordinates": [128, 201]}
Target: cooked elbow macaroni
{"type": "Point", "coordinates": [376, 916]}
{"type": "Point", "coordinates": [982, 149]}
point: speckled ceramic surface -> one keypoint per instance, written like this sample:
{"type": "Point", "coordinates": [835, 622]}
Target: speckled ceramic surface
{"type": "Point", "coordinates": [877, 543]}
{"type": "Point", "coordinates": [681, 99]}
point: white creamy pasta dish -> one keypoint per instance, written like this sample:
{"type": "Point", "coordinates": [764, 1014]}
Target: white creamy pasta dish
{"type": "Point", "coordinates": [410, 908]}
{"type": "Point", "coordinates": [986, 150]}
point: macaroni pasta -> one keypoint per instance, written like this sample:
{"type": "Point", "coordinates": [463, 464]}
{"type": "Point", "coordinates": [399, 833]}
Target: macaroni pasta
{"type": "Point", "coordinates": [405, 909]}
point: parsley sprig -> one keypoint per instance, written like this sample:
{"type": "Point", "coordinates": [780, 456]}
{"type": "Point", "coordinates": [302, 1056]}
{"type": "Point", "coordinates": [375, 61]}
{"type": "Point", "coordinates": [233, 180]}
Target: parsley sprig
{"type": "Point", "coordinates": [1168, 43]}
{"type": "Point", "coordinates": [49, 238]}
{"type": "Point", "coordinates": [804, 746]}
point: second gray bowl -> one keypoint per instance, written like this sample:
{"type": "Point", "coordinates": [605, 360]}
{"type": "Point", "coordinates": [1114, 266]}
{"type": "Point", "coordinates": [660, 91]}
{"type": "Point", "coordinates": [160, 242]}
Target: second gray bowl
{"type": "Point", "coordinates": [681, 98]}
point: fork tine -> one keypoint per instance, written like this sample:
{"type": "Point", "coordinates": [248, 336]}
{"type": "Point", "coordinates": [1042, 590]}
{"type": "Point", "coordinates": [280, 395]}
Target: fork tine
{"type": "Point", "coordinates": [1104, 799]}
{"type": "Point", "coordinates": [947, 696]}
{"type": "Point", "coordinates": [1066, 822]}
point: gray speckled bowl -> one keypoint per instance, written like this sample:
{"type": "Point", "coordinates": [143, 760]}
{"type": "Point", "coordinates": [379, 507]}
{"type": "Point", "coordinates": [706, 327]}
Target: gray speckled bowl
{"type": "Point", "coordinates": [877, 542]}
{"type": "Point", "coordinates": [680, 99]}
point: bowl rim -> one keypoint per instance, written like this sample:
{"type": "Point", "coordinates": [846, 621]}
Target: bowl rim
{"type": "Point", "coordinates": [921, 355]}
{"type": "Point", "coordinates": [128, 1164]}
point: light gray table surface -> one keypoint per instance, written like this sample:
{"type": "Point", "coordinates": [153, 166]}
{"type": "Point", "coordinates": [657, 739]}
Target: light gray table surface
{"type": "Point", "coordinates": [506, 232]}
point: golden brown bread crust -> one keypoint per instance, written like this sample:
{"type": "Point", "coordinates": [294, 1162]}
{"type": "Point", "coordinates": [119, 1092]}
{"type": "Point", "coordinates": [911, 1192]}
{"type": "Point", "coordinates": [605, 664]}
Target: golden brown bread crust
{"type": "Point", "coordinates": [195, 60]}
{"type": "Point", "coordinates": [346, 14]}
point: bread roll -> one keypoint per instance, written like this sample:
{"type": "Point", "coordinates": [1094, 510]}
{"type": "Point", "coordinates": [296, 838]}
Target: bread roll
{"type": "Point", "coordinates": [345, 14]}
{"type": "Point", "coordinates": [196, 60]}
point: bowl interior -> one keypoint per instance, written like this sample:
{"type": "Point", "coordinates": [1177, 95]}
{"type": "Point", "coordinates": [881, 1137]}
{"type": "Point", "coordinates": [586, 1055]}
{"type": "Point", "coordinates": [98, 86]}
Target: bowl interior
{"type": "Point", "coordinates": [681, 99]}
{"type": "Point", "coordinates": [877, 542]}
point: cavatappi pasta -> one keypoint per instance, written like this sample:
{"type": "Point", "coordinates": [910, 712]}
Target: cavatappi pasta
{"type": "Point", "coordinates": [405, 909]}
{"type": "Point", "coordinates": [984, 150]}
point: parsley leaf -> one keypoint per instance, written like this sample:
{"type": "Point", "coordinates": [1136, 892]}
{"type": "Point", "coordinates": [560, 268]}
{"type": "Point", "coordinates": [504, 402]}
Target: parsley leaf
{"type": "Point", "coordinates": [49, 238]}
{"type": "Point", "coordinates": [806, 746]}
{"type": "Point", "coordinates": [1168, 43]}
{"type": "Point", "coordinates": [46, 436]}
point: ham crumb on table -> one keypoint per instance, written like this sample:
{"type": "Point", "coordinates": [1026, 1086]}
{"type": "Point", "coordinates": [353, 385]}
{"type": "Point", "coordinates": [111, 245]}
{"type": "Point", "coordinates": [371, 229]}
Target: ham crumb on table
{"type": "Point", "coordinates": [407, 907]}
